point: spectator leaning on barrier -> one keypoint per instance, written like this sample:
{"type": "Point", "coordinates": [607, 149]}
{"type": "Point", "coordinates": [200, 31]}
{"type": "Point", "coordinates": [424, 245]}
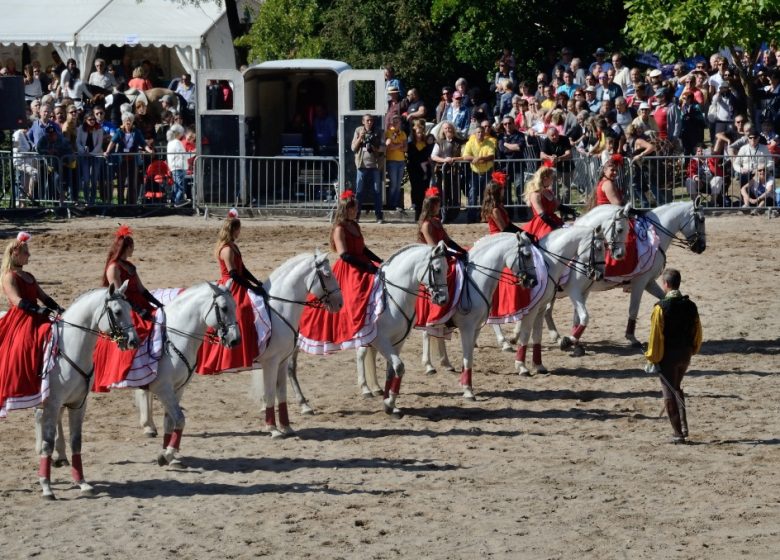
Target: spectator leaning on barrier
{"type": "Point", "coordinates": [752, 156]}
{"type": "Point", "coordinates": [177, 163]}
{"type": "Point", "coordinates": [480, 152]}
{"type": "Point", "coordinates": [89, 144]}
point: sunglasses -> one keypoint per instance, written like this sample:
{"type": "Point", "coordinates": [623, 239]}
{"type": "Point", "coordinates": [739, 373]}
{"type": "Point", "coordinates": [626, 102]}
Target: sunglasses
{"type": "Point", "coordinates": [752, 137]}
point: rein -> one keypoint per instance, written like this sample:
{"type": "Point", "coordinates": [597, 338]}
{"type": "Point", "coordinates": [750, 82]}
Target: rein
{"type": "Point", "coordinates": [683, 242]}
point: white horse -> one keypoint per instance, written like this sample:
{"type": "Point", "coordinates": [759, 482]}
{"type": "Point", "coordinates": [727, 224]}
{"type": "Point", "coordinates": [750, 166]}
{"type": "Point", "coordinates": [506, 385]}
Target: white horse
{"type": "Point", "coordinates": [614, 223]}
{"type": "Point", "coordinates": [287, 288]}
{"type": "Point", "coordinates": [576, 251]}
{"type": "Point", "coordinates": [666, 222]}
{"type": "Point", "coordinates": [188, 317]}
{"type": "Point", "coordinates": [399, 279]}
{"type": "Point", "coordinates": [104, 310]}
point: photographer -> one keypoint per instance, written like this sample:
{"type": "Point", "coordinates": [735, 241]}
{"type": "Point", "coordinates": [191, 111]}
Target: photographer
{"type": "Point", "coordinates": [367, 143]}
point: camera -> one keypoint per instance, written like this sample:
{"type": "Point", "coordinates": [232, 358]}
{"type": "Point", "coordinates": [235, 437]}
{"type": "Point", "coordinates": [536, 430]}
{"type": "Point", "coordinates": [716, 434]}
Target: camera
{"type": "Point", "coordinates": [369, 140]}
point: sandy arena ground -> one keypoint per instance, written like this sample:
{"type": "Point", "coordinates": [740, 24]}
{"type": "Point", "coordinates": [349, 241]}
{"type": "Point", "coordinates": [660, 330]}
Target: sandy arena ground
{"type": "Point", "coordinates": [574, 464]}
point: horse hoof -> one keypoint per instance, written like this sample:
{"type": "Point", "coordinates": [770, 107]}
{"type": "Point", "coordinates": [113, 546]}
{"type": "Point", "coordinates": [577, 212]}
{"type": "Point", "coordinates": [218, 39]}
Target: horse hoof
{"type": "Point", "coordinates": [48, 497]}
{"type": "Point", "coordinates": [162, 460]}
{"type": "Point", "coordinates": [430, 370]}
{"type": "Point", "coordinates": [522, 370]}
{"type": "Point", "coordinates": [468, 394]}
{"type": "Point", "coordinates": [367, 394]}
{"type": "Point", "coordinates": [541, 369]}
{"type": "Point", "coordinates": [565, 343]}
{"type": "Point", "coordinates": [389, 406]}
{"type": "Point", "coordinates": [397, 413]}
{"type": "Point", "coordinates": [287, 431]}
{"type": "Point", "coordinates": [378, 393]}
{"type": "Point", "coordinates": [306, 410]}
{"type": "Point", "coordinates": [275, 432]}
{"type": "Point", "coordinates": [512, 340]}
{"type": "Point", "coordinates": [507, 347]}
{"type": "Point", "coordinates": [57, 463]}
{"type": "Point", "coordinates": [578, 351]}
{"type": "Point", "coordinates": [150, 433]}
{"type": "Point", "coordinates": [177, 465]}
{"type": "Point", "coordinates": [86, 490]}
{"type": "Point", "coordinates": [633, 342]}
{"type": "Point", "coordinates": [448, 368]}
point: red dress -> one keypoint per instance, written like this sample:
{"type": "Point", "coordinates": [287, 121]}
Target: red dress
{"type": "Point", "coordinates": [22, 339]}
{"type": "Point", "coordinates": [508, 297]}
{"type": "Point", "coordinates": [626, 266]}
{"type": "Point", "coordinates": [112, 365]}
{"type": "Point", "coordinates": [428, 313]}
{"type": "Point", "coordinates": [538, 227]}
{"type": "Point", "coordinates": [215, 358]}
{"type": "Point", "coordinates": [322, 332]}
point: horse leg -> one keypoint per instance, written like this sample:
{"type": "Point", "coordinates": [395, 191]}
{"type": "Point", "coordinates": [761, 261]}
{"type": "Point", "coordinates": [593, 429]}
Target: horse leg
{"type": "Point", "coordinates": [46, 423]}
{"type": "Point", "coordinates": [522, 348]}
{"type": "Point", "coordinates": [552, 330]}
{"type": "Point", "coordinates": [144, 400]}
{"type": "Point", "coordinates": [581, 313]}
{"type": "Point", "coordinates": [370, 365]}
{"type": "Point", "coordinates": [75, 423]}
{"type": "Point", "coordinates": [394, 375]}
{"type": "Point", "coordinates": [426, 354]}
{"type": "Point", "coordinates": [536, 341]}
{"type": "Point", "coordinates": [362, 363]}
{"type": "Point", "coordinates": [500, 338]}
{"type": "Point", "coordinates": [281, 398]}
{"type": "Point", "coordinates": [174, 422]}
{"type": "Point", "coordinates": [441, 349]}
{"type": "Point", "coordinates": [60, 452]}
{"type": "Point", "coordinates": [515, 334]}
{"type": "Point", "coordinates": [468, 339]}
{"type": "Point", "coordinates": [292, 375]}
{"type": "Point", "coordinates": [270, 371]}
{"type": "Point", "coordinates": [633, 308]}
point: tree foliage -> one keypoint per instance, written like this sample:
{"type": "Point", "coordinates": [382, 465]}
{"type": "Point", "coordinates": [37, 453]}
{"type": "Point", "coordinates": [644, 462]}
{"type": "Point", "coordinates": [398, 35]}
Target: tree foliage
{"type": "Point", "coordinates": [284, 29]}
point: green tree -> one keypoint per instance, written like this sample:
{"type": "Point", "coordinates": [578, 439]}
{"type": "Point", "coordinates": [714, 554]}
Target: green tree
{"type": "Point", "coordinates": [284, 29]}
{"type": "Point", "coordinates": [681, 28]}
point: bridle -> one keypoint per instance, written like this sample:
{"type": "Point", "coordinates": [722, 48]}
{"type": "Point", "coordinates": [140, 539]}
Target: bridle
{"type": "Point", "coordinates": [115, 332]}
{"type": "Point", "coordinates": [324, 299]}
{"type": "Point", "coordinates": [593, 264]}
{"type": "Point", "coordinates": [526, 275]}
{"type": "Point", "coordinates": [222, 327]}
{"type": "Point", "coordinates": [689, 241]}
{"type": "Point", "coordinates": [611, 233]}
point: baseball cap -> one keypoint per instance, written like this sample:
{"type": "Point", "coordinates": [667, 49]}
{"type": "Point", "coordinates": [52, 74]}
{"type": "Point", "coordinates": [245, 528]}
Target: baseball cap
{"type": "Point", "coordinates": [600, 52]}
{"type": "Point", "coordinates": [644, 105]}
{"type": "Point", "coordinates": [50, 128]}
{"type": "Point", "coordinates": [656, 73]}
{"type": "Point", "coordinates": [591, 89]}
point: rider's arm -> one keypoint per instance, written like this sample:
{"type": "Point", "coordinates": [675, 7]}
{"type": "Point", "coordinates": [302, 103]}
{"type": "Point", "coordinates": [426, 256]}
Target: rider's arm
{"type": "Point", "coordinates": [226, 254]}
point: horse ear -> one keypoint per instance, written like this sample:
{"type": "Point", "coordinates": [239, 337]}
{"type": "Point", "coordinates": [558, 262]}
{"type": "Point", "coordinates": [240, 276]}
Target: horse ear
{"type": "Point", "coordinates": [111, 290]}
{"type": "Point", "coordinates": [123, 287]}
{"type": "Point", "coordinates": [228, 285]}
{"type": "Point", "coordinates": [598, 229]}
{"type": "Point", "coordinates": [522, 237]}
{"type": "Point", "coordinates": [441, 249]}
{"type": "Point", "coordinates": [627, 209]}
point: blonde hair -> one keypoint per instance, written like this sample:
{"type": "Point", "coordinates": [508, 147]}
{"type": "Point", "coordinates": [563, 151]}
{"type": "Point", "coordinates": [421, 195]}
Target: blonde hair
{"type": "Point", "coordinates": [340, 217]}
{"type": "Point", "coordinates": [8, 255]}
{"type": "Point", "coordinates": [536, 182]}
{"type": "Point", "coordinates": [227, 234]}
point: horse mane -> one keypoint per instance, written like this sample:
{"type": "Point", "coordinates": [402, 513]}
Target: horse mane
{"type": "Point", "coordinates": [485, 239]}
{"type": "Point", "coordinates": [288, 265]}
{"type": "Point", "coordinates": [403, 250]}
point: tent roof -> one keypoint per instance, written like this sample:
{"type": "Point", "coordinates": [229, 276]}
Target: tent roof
{"type": "Point", "coordinates": [108, 22]}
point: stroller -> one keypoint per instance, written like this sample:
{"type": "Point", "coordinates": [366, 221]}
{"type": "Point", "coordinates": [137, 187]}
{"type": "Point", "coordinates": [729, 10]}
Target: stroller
{"type": "Point", "coordinates": [158, 182]}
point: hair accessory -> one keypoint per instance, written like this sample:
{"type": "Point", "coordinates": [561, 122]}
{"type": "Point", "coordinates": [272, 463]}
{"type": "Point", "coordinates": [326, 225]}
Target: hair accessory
{"type": "Point", "coordinates": [617, 159]}
{"type": "Point", "coordinates": [548, 163]}
{"type": "Point", "coordinates": [124, 231]}
{"type": "Point", "coordinates": [232, 213]}
{"type": "Point", "coordinates": [347, 194]}
{"type": "Point", "coordinates": [23, 237]}
{"type": "Point", "coordinates": [432, 192]}
{"type": "Point", "coordinates": [499, 177]}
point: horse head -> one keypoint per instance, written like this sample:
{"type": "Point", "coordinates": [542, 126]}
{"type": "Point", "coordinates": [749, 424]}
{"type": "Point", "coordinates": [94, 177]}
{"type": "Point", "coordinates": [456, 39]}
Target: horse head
{"type": "Point", "coordinates": [597, 254]}
{"type": "Point", "coordinates": [116, 318]}
{"type": "Point", "coordinates": [323, 285]}
{"type": "Point", "coordinates": [525, 268]}
{"type": "Point", "coordinates": [221, 315]}
{"type": "Point", "coordinates": [435, 276]}
{"type": "Point", "coordinates": [615, 232]}
{"type": "Point", "coordinates": [697, 238]}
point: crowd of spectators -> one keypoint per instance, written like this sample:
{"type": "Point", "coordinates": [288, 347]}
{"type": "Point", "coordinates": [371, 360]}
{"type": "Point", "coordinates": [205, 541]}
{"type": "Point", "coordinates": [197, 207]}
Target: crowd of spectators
{"type": "Point", "coordinates": [578, 114]}
{"type": "Point", "coordinates": [117, 137]}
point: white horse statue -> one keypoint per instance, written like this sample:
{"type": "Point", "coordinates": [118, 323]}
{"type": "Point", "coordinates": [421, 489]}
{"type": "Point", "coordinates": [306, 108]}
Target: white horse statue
{"type": "Point", "coordinates": [287, 289]}
{"type": "Point", "coordinates": [661, 226]}
{"type": "Point", "coordinates": [104, 310]}
{"type": "Point", "coordinates": [399, 278]}
{"type": "Point", "coordinates": [188, 317]}
{"type": "Point", "coordinates": [571, 254]}
{"type": "Point", "coordinates": [615, 225]}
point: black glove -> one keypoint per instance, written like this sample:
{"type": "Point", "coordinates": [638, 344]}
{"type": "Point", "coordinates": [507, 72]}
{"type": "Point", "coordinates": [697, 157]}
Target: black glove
{"type": "Point", "coordinates": [549, 220]}
{"type": "Point", "coordinates": [357, 263]}
{"type": "Point", "coordinates": [371, 255]}
{"type": "Point", "coordinates": [568, 211]}
{"type": "Point", "coordinates": [32, 308]}
{"type": "Point", "coordinates": [259, 290]}
{"type": "Point", "coordinates": [144, 314]}
{"type": "Point", "coordinates": [240, 280]}
{"type": "Point", "coordinates": [511, 228]}
{"type": "Point", "coordinates": [454, 246]}
{"type": "Point", "coordinates": [151, 299]}
{"type": "Point", "coordinates": [249, 276]}
{"type": "Point", "coordinates": [53, 305]}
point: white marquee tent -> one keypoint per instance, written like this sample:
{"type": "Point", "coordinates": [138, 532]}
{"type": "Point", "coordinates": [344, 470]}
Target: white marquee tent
{"type": "Point", "coordinates": [199, 34]}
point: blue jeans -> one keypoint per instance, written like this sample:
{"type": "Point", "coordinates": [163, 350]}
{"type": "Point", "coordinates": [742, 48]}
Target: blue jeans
{"type": "Point", "coordinates": [179, 190]}
{"type": "Point", "coordinates": [395, 172]}
{"type": "Point", "coordinates": [91, 168]}
{"type": "Point", "coordinates": [476, 190]}
{"type": "Point", "coordinates": [369, 179]}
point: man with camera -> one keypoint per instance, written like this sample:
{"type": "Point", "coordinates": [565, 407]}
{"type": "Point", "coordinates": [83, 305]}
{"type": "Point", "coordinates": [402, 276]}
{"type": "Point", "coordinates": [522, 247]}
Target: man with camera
{"type": "Point", "coordinates": [368, 145]}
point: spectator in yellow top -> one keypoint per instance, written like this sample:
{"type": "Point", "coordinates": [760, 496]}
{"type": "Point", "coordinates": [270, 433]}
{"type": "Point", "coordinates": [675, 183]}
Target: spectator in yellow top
{"type": "Point", "coordinates": [675, 335]}
{"type": "Point", "coordinates": [395, 156]}
{"type": "Point", "coordinates": [480, 152]}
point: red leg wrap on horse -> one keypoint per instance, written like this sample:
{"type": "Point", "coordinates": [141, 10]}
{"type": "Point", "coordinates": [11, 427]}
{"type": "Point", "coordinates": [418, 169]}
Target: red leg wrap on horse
{"type": "Point", "coordinates": [44, 469]}
{"type": "Point", "coordinates": [284, 418]}
{"type": "Point", "coordinates": [577, 331]}
{"type": "Point", "coordinates": [388, 384]}
{"type": "Point", "coordinates": [537, 354]}
{"type": "Point", "coordinates": [166, 440]}
{"type": "Point", "coordinates": [270, 417]}
{"type": "Point", "coordinates": [521, 352]}
{"type": "Point", "coordinates": [465, 377]}
{"type": "Point", "coordinates": [76, 468]}
{"type": "Point", "coordinates": [175, 439]}
{"type": "Point", "coordinates": [630, 327]}
{"type": "Point", "coordinates": [395, 385]}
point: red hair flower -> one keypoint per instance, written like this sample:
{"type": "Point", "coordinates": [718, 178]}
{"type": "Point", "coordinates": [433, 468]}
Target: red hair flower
{"type": "Point", "coordinates": [23, 237]}
{"type": "Point", "coordinates": [347, 194]}
{"type": "Point", "coordinates": [124, 231]}
{"type": "Point", "coordinates": [232, 213]}
{"type": "Point", "coordinates": [499, 177]}
{"type": "Point", "coordinates": [548, 163]}
{"type": "Point", "coordinates": [432, 192]}
{"type": "Point", "coordinates": [617, 159]}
